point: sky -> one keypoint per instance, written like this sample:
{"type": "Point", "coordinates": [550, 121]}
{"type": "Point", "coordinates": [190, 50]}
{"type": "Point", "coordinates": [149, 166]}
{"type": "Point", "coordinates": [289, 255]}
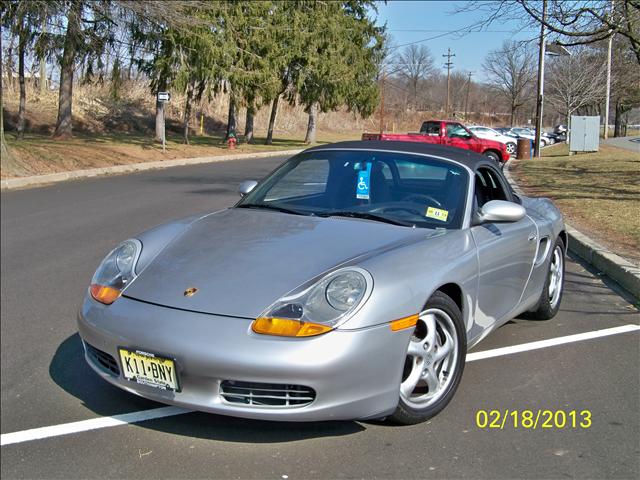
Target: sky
{"type": "Point", "coordinates": [411, 21]}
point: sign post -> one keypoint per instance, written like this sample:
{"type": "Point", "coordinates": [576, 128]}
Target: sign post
{"type": "Point", "coordinates": [164, 97]}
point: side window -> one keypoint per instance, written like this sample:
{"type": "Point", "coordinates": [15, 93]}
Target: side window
{"type": "Point", "coordinates": [455, 130]}
{"type": "Point", "coordinates": [417, 171]}
{"type": "Point", "coordinates": [488, 187]}
{"type": "Point", "coordinates": [309, 178]}
{"type": "Point", "coordinates": [430, 128]}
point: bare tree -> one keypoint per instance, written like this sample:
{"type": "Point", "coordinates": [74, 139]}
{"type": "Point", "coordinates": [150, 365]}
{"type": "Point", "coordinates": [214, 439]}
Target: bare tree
{"type": "Point", "coordinates": [571, 22]}
{"type": "Point", "coordinates": [576, 81]}
{"type": "Point", "coordinates": [511, 72]}
{"type": "Point", "coordinates": [415, 64]}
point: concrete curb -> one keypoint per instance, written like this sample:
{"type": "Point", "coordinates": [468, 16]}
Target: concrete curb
{"type": "Point", "coordinates": [619, 269]}
{"type": "Point", "coordinates": [39, 180]}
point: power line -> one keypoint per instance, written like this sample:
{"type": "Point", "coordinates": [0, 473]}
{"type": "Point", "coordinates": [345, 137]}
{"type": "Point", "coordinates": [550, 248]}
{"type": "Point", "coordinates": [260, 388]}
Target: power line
{"type": "Point", "coordinates": [453, 31]}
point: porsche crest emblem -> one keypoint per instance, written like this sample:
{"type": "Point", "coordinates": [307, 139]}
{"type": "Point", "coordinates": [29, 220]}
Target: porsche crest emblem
{"type": "Point", "coordinates": [190, 292]}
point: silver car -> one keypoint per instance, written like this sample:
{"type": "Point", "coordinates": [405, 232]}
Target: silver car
{"type": "Point", "coordinates": [347, 284]}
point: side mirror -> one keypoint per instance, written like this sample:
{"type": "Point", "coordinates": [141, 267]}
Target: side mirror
{"type": "Point", "coordinates": [499, 211]}
{"type": "Point", "coordinates": [246, 187]}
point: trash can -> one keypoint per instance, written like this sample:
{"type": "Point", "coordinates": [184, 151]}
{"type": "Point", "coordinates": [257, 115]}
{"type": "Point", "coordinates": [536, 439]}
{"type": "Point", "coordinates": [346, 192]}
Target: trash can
{"type": "Point", "coordinates": [524, 149]}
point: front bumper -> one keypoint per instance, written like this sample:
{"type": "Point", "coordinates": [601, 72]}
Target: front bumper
{"type": "Point", "coordinates": [356, 374]}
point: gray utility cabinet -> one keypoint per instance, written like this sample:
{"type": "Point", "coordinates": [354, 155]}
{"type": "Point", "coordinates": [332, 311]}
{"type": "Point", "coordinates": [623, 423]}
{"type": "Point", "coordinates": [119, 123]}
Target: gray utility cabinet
{"type": "Point", "coordinates": [584, 135]}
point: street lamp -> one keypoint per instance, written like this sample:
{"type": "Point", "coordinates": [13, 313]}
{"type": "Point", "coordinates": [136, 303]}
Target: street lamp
{"type": "Point", "coordinates": [550, 49]}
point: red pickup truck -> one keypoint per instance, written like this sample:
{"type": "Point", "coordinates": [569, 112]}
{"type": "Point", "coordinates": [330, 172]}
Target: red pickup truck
{"type": "Point", "coordinates": [453, 134]}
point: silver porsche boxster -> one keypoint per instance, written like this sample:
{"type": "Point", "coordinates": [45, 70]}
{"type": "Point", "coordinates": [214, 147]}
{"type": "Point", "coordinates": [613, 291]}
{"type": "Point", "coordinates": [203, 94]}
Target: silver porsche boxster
{"type": "Point", "coordinates": [347, 284]}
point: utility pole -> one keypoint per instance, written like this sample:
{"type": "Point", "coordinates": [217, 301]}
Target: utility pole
{"type": "Point", "coordinates": [382, 101]}
{"type": "Point", "coordinates": [448, 64]}
{"type": "Point", "coordinates": [466, 101]}
{"type": "Point", "coordinates": [539, 103]}
{"type": "Point", "coordinates": [606, 101]}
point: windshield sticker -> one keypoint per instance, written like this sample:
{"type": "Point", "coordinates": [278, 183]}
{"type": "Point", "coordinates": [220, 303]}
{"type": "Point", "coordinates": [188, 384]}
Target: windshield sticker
{"type": "Point", "coordinates": [437, 213]}
{"type": "Point", "coordinates": [363, 183]}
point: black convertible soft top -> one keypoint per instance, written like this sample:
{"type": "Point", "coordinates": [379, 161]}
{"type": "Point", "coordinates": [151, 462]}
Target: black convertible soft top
{"type": "Point", "coordinates": [471, 159]}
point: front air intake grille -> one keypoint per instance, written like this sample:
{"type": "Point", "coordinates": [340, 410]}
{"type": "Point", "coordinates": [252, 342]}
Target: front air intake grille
{"type": "Point", "coordinates": [266, 394]}
{"type": "Point", "coordinates": [103, 360]}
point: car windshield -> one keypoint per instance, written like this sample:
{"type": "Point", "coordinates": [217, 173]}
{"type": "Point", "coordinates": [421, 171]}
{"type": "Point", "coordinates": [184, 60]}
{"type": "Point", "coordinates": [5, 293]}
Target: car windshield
{"type": "Point", "coordinates": [397, 188]}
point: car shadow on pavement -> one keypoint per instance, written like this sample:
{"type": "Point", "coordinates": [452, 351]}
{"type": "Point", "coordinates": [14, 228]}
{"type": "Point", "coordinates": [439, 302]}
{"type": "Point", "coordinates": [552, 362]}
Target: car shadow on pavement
{"type": "Point", "coordinates": [69, 370]}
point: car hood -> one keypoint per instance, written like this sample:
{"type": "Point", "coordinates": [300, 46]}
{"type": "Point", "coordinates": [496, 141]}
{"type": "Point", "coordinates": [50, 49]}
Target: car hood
{"type": "Point", "coordinates": [241, 261]}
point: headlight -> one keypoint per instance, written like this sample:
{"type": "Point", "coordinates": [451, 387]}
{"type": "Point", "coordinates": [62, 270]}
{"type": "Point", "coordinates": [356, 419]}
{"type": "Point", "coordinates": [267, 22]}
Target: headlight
{"type": "Point", "coordinates": [319, 307]}
{"type": "Point", "coordinates": [115, 272]}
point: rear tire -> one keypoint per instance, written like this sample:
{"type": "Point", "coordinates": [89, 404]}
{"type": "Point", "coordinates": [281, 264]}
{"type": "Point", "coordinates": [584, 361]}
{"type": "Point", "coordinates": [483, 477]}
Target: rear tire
{"type": "Point", "coordinates": [511, 148]}
{"type": "Point", "coordinates": [551, 296]}
{"type": "Point", "coordinates": [434, 362]}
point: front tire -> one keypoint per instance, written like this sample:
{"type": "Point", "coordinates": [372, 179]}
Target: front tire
{"type": "Point", "coordinates": [551, 296]}
{"type": "Point", "coordinates": [434, 362]}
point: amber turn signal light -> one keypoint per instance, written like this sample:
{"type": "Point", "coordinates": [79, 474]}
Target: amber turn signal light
{"type": "Point", "coordinates": [104, 294]}
{"type": "Point", "coordinates": [405, 322]}
{"type": "Point", "coordinates": [285, 327]}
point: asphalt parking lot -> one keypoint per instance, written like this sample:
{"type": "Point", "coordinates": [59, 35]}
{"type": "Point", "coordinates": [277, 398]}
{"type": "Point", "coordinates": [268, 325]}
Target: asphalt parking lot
{"type": "Point", "coordinates": [54, 237]}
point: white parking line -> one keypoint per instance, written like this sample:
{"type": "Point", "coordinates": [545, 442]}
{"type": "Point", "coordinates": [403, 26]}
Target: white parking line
{"type": "Point", "coordinates": [525, 347]}
{"type": "Point", "coordinates": [141, 416]}
{"type": "Point", "coordinates": [92, 424]}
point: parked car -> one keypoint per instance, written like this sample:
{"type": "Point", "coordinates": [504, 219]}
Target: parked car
{"type": "Point", "coordinates": [506, 131]}
{"type": "Point", "coordinates": [347, 284]}
{"type": "Point", "coordinates": [491, 134]}
{"type": "Point", "coordinates": [560, 129]}
{"type": "Point", "coordinates": [557, 137]}
{"type": "Point", "coordinates": [530, 134]}
{"type": "Point", "coordinates": [452, 134]}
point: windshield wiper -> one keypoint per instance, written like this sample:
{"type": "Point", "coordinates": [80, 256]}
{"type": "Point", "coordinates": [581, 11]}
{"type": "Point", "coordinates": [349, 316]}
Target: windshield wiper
{"type": "Point", "coordinates": [271, 207]}
{"type": "Point", "coordinates": [366, 216]}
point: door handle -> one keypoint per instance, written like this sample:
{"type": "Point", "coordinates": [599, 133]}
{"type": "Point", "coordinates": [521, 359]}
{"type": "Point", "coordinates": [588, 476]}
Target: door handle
{"type": "Point", "coordinates": [532, 237]}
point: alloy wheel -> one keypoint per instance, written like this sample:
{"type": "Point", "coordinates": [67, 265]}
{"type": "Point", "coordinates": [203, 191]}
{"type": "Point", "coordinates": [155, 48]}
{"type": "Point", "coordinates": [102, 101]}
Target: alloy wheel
{"type": "Point", "coordinates": [431, 359]}
{"type": "Point", "coordinates": [556, 274]}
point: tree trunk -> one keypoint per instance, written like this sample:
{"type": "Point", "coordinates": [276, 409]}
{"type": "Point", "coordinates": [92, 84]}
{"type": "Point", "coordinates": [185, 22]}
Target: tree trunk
{"type": "Point", "coordinates": [63, 124]}
{"type": "Point", "coordinates": [187, 112]}
{"type": "Point", "coordinates": [248, 124]}
{"type": "Point", "coordinates": [10, 64]}
{"type": "Point", "coordinates": [160, 126]}
{"type": "Point", "coordinates": [310, 138]}
{"type": "Point", "coordinates": [23, 93]}
{"type": "Point", "coordinates": [43, 66]}
{"type": "Point", "coordinates": [272, 120]}
{"type": "Point", "coordinates": [617, 130]}
{"type": "Point", "coordinates": [231, 118]}
{"type": "Point", "coordinates": [513, 114]}
{"type": "Point", "coordinates": [162, 86]}
{"type": "Point", "coordinates": [43, 77]}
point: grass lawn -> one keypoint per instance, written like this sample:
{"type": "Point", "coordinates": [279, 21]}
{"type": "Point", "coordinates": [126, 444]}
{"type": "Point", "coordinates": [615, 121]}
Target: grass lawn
{"type": "Point", "coordinates": [598, 193]}
{"type": "Point", "coordinates": [39, 154]}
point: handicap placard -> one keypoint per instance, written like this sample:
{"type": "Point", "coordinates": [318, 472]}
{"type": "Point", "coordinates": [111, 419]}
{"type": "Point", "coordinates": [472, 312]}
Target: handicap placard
{"type": "Point", "coordinates": [363, 183]}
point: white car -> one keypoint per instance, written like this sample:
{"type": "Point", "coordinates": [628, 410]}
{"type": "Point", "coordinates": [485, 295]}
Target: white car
{"type": "Point", "coordinates": [491, 134]}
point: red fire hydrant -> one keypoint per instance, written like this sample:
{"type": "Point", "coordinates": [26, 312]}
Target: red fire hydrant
{"type": "Point", "coordinates": [232, 142]}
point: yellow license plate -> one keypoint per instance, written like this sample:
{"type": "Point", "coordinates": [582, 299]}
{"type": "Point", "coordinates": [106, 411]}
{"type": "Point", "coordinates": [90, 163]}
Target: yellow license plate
{"type": "Point", "coordinates": [148, 369]}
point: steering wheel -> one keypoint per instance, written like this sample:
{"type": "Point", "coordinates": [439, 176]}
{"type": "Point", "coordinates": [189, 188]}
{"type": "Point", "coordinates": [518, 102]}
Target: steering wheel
{"type": "Point", "coordinates": [420, 198]}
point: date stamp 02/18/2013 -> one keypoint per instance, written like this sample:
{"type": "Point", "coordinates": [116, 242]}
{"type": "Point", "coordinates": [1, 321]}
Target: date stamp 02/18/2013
{"type": "Point", "coordinates": [533, 419]}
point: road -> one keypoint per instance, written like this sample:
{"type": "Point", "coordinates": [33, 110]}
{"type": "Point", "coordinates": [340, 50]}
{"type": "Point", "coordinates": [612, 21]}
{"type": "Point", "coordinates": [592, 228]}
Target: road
{"type": "Point", "coordinates": [628, 143]}
{"type": "Point", "coordinates": [54, 237]}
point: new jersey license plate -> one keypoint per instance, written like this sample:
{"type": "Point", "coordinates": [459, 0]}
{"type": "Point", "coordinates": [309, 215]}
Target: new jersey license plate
{"type": "Point", "coordinates": [148, 369]}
